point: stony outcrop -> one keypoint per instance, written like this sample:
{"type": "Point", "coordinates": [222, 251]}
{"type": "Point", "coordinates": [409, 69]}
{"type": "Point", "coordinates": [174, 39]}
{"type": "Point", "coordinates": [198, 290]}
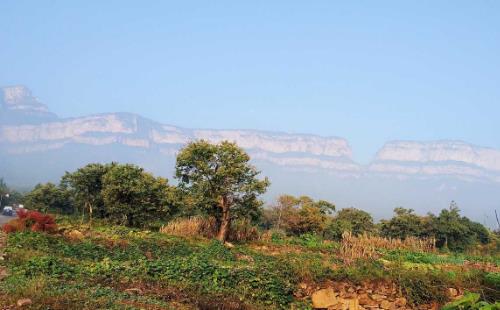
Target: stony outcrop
{"type": "Point", "coordinates": [438, 158]}
{"type": "Point", "coordinates": [27, 127]}
{"type": "Point", "coordinates": [368, 295]}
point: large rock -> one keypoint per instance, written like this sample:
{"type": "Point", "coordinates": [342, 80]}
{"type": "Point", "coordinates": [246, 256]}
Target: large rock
{"type": "Point", "coordinates": [324, 298]}
{"type": "Point", "coordinates": [24, 302]}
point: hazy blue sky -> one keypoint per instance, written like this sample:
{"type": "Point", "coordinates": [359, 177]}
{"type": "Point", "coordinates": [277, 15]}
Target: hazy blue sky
{"type": "Point", "coordinates": [369, 71]}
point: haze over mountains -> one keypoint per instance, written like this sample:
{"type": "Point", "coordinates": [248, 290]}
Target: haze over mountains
{"type": "Point", "coordinates": [37, 146]}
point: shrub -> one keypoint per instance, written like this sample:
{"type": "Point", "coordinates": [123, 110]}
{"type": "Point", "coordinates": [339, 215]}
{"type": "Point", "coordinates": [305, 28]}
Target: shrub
{"type": "Point", "coordinates": [470, 301]}
{"type": "Point", "coordinates": [33, 220]}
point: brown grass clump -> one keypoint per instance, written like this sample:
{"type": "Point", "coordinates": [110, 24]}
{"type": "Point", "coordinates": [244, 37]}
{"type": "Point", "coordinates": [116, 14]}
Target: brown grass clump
{"type": "Point", "coordinates": [191, 227]}
{"type": "Point", "coordinates": [365, 246]}
{"type": "Point", "coordinates": [207, 227]}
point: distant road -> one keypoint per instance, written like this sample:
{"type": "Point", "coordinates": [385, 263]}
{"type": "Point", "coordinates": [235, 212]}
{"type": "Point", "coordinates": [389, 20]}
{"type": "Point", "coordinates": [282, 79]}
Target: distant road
{"type": "Point", "coordinates": [4, 219]}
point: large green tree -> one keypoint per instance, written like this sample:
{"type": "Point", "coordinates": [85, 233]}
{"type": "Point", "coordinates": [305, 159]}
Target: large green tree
{"type": "Point", "coordinates": [221, 180]}
{"type": "Point", "coordinates": [457, 232]}
{"type": "Point", "coordinates": [298, 215]}
{"type": "Point", "coordinates": [353, 220]}
{"type": "Point", "coordinates": [406, 223]}
{"type": "Point", "coordinates": [49, 197]}
{"type": "Point", "coordinates": [136, 198]}
{"type": "Point", "coordinates": [85, 185]}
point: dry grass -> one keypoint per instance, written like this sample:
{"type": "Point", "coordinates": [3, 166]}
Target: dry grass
{"type": "Point", "coordinates": [207, 227]}
{"type": "Point", "coordinates": [365, 246]}
{"type": "Point", "coordinates": [191, 227]}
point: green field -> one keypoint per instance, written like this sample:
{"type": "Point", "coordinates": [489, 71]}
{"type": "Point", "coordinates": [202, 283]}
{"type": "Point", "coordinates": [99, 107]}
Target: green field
{"type": "Point", "coordinates": [114, 267]}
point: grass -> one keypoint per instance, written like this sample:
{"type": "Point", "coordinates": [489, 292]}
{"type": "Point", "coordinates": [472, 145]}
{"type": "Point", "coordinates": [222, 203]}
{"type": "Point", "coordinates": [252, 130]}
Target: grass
{"type": "Point", "coordinates": [174, 272]}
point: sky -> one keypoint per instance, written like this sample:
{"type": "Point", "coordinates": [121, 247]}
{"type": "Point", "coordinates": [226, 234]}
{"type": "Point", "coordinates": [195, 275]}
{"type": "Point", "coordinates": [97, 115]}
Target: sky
{"type": "Point", "coordinates": [367, 71]}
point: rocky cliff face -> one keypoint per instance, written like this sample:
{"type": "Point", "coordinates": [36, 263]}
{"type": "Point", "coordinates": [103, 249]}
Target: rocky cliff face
{"type": "Point", "coordinates": [452, 158]}
{"type": "Point", "coordinates": [31, 128]}
{"type": "Point", "coordinates": [22, 136]}
{"type": "Point", "coordinates": [18, 105]}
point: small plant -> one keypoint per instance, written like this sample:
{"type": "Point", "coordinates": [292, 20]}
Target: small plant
{"type": "Point", "coordinates": [471, 301]}
{"type": "Point", "coordinates": [32, 220]}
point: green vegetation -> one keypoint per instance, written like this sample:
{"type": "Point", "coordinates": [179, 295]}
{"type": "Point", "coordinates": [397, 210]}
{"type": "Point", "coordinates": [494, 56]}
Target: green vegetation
{"type": "Point", "coordinates": [125, 239]}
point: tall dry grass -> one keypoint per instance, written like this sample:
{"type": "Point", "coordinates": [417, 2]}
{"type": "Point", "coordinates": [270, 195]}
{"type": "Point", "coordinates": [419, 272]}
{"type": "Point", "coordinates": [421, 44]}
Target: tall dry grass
{"type": "Point", "coordinates": [191, 227]}
{"type": "Point", "coordinates": [366, 246]}
{"type": "Point", "coordinates": [241, 230]}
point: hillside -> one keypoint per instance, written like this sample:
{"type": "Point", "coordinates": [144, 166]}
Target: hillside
{"type": "Point", "coordinates": [113, 267]}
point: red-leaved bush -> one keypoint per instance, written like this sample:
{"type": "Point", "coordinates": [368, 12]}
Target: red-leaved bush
{"type": "Point", "coordinates": [33, 220]}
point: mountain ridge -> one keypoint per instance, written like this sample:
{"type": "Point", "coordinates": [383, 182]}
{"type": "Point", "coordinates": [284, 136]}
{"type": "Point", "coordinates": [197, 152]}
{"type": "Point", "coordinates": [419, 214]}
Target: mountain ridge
{"type": "Point", "coordinates": [398, 157]}
{"type": "Point", "coordinates": [37, 146]}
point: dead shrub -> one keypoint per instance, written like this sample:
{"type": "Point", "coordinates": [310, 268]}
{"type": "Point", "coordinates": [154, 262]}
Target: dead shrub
{"type": "Point", "coordinates": [241, 230]}
{"type": "Point", "coordinates": [365, 246]}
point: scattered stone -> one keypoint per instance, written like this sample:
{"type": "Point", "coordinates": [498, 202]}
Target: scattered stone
{"type": "Point", "coordinates": [452, 292]}
{"type": "Point", "coordinates": [324, 298]}
{"type": "Point", "coordinates": [378, 297]}
{"type": "Point", "coordinates": [134, 291]}
{"type": "Point", "coordinates": [75, 235]}
{"type": "Point", "coordinates": [385, 304]}
{"type": "Point", "coordinates": [3, 273]}
{"type": "Point", "coordinates": [24, 302]}
{"type": "Point", "coordinates": [229, 245]}
{"type": "Point", "coordinates": [400, 302]}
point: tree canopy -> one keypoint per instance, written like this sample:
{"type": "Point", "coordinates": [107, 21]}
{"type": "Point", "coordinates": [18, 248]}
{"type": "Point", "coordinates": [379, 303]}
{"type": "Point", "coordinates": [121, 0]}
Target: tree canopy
{"type": "Point", "coordinates": [221, 180]}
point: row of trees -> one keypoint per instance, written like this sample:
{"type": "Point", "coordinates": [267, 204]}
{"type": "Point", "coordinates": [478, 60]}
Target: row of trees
{"type": "Point", "coordinates": [217, 180]}
{"type": "Point", "coordinates": [298, 215]}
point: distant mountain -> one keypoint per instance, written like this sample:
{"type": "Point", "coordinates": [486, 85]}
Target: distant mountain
{"type": "Point", "coordinates": [36, 146]}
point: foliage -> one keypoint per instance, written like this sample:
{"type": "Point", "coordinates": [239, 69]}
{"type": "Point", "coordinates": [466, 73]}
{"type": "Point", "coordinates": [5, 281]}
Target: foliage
{"type": "Point", "coordinates": [351, 220]}
{"type": "Point", "coordinates": [471, 301]}
{"type": "Point", "coordinates": [300, 215]}
{"type": "Point", "coordinates": [86, 185]}
{"type": "Point", "coordinates": [49, 198]}
{"type": "Point", "coordinates": [405, 223]}
{"type": "Point", "coordinates": [134, 197]}
{"type": "Point", "coordinates": [455, 232]}
{"type": "Point", "coordinates": [221, 180]}
{"type": "Point", "coordinates": [33, 220]}
{"type": "Point", "coordinates": [8, 195]}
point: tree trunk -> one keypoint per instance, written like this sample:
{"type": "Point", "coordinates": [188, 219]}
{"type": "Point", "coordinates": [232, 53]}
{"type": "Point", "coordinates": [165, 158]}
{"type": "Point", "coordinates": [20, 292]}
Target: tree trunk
{"type": "Point", "coordinates": [225, 223]}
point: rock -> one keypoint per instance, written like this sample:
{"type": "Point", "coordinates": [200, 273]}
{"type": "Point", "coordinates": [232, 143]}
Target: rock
{"type": "Point", "coordinates": [385, 304]}
{"type": "Point", "coordinates": [365, 300]}
{"type": "Point", "coordinates": [400, 302]}
{"type": "Point", "coordinates": [353, 304]}
{"type": "Point", "coordinates": [24, 302]}
{"type": "Point", "coordinates": [324, 298]}
{"type": "Point", "coordinates": [378, 297]}
{"type": "Point", "coordinates": [452, 292]}
{"type": "Point", "coordinates": [228, 245]}
{"type": "Point", "coordinates": [134, 291]}
{"type": "Point", "coordinates": [75, 235]}
{"type": "Point", "coordinates": [3, 273]}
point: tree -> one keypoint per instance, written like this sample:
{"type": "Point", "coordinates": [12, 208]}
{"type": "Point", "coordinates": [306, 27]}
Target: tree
{"type": "Point", "coordinates": [353, 220]}
{"type": "Point", "coordinates": [405, 223]}
{"type": "Point", "coordinates": [8, 196]}
{"type": "Point", "coordinates": [49, 197]}
{"type": "Point", "coordinates": [134, 197]}
{"type": "Point", "coordinates": [85, 185]}
{"type": "Point", "coordinates": [455, 232]}
{"type": "Point", "coordinates": [221, 180]}
{"type": "Point", "coordinates": [299, 215]}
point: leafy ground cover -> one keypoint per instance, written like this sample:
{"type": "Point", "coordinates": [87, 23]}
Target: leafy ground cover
{"type": "Point", "coordinates": [114, 267]}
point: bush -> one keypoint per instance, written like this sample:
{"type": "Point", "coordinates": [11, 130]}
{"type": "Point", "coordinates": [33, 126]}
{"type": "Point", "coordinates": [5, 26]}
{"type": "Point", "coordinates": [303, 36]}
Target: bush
{"type": "Point", "coordinates": [33, 220]}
